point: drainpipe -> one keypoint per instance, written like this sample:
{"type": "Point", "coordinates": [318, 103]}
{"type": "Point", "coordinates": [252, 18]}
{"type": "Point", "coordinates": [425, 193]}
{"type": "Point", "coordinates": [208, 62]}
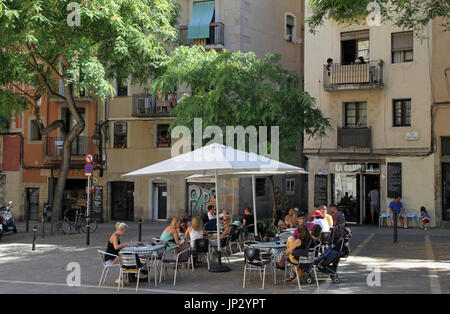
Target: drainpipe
{"type": "Point", "coordinates": [22, 164]}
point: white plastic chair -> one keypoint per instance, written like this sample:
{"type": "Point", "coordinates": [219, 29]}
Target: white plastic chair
{"type": "Point", "coordinates": [106, 266]}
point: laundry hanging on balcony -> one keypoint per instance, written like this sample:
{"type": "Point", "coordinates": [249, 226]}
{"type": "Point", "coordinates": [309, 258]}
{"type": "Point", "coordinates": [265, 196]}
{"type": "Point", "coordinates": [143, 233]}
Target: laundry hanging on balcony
{"type": "Point", "coordinates": [202, 15]}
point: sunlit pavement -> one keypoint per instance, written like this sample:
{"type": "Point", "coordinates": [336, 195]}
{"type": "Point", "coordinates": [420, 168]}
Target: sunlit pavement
{"type": "Point", "coordinates": [418, 263]}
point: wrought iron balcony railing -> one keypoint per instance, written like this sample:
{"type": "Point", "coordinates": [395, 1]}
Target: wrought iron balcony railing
{"type": "Point", "coordinates": [354, 137]}
{"type": "Point", "coordinates": [216, 36]}
{"type": "Point", "coordinates": [353, 76]}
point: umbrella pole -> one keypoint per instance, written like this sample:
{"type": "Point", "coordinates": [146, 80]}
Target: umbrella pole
{"type": "Point", "coordinates": [219, 268]}
{"type": "Point", "coordinates": [254, 206]}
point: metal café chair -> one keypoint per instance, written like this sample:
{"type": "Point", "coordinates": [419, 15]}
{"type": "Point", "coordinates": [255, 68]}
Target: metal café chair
{"type": "Point", "coordinates": [106, 266]}
{"type": "Point", "coordinates": [306, 258]}
{"type": "Point", "coordinates": [325, 238]}
{"type": "Point", "coordinates": [131, 264]}
{"type": "Point", "coordinates": [234, 239]}
{"type": "Point", "coordinates": [223, 245]}
{"type": "Point", "coordinates": [254, 261]}
{"type": "Point", "coordinates": [181, 257]}
{"type": "Point", "coordinates": [201, 247]}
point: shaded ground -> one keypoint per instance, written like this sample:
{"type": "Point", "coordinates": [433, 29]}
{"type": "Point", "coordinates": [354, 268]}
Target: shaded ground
{"type": "Point", "coordinates": [409, 266]}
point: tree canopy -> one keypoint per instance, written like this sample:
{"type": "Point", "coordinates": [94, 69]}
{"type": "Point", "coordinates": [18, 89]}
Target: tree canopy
{"type": "Point", "coordinates": [238, 89]}
{"type": "Point", "coordinates": [115, 38]}
{"type": "Point", "coordinates": [406, 14]}
{"type": "Point", "coordinates": [83, 44]}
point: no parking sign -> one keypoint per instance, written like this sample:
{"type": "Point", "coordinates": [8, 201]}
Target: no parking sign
{"type": "Point", "coordinates": [89, 158]}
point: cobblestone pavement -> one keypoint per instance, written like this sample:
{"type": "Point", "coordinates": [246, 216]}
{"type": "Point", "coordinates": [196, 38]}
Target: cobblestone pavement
{"type": "Point", "coordinates": [418, 263]}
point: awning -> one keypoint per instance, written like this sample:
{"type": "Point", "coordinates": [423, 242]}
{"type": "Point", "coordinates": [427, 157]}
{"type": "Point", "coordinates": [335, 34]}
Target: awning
{"type": "Point", "coordinates": [202, 15]}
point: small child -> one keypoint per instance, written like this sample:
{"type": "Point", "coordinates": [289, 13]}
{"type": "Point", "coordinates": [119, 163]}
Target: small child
{"type": "Point", "coordinates": [425, 218]}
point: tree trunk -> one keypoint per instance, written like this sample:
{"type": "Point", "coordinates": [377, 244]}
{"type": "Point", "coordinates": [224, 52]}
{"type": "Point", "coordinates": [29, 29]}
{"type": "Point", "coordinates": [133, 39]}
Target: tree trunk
{"type": "Point", "coordinates": [66, 157]}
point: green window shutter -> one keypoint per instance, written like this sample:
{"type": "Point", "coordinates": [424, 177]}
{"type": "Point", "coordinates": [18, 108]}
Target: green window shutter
{"type": "Point", "coordinates": [202, 15]}
{"type": "Point", "coordinates": [290, 20]}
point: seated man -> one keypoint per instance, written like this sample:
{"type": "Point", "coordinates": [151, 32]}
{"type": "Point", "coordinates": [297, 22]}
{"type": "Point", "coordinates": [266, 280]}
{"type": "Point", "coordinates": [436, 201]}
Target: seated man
{"type": "Point", "coordinates": [319, 220]}
{"type": "Point", "coordinates": [396, 206]}
{"type": "Point", "coordinates": [338, 216]}
{"type": "Point", "coordinates": [248, 222]}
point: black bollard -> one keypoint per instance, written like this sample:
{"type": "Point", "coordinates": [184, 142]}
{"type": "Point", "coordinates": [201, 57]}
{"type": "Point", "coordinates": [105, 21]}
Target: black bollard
{"type": "Point", "coordinates": [88, 232]}
{"type": "Point", "coordinates": [43, 226]}
{"type": "Point", "coordinates": [395, 226]}
{"type": "Point", "coordinates": [34, 238]}
{"type": "Point", "coordinates": [140, 230]}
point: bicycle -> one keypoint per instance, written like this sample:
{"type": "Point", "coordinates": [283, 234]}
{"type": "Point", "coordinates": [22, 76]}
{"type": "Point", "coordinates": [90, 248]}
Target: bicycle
{"type": "Point", "coordinates": [65, 226]}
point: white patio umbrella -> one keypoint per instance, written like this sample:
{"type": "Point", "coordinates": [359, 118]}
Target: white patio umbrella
{"type": "Point", "coordinates": [253, 175]}
{"type": "Point", "coordinates": [217, 160]}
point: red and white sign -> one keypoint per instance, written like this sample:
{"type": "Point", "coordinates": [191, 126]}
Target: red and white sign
{"type": "Point", "coordinates": [89, 158]}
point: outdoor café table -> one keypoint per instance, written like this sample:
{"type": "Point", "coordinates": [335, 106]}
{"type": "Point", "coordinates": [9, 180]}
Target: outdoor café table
{"type": "Point", "coordinates": [277, 250]}
{"type": "Point", "coordinates": [146, 251]}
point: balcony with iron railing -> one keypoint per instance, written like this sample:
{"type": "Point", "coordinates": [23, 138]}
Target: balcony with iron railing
{"type": "Point", "coordinates": [351, 137]}
{"type": "Point", "coordinates": [53, 147]}
{"type": "Point", "coordinates": [216, 38]}
{"type": "Point", "coordinates": [150, 106]}
{"type": "Point", "coordinates": [357, 76]}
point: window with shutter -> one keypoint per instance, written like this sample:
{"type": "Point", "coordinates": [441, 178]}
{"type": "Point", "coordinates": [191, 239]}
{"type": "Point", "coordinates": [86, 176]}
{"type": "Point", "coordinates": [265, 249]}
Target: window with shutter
{"type": "Point", "coordinates": [402, 47]}
{"type": "Point", "coordinates": [290, 28]}
{"type": "Point", "coordinates": [120, 135]}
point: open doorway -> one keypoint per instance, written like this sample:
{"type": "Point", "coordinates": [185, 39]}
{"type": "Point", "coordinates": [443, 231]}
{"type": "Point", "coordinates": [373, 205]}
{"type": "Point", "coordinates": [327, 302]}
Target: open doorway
{"type": "Point", "coordinates": [159, 201]}
{"type": "Point", "coordinates": [372, 199]}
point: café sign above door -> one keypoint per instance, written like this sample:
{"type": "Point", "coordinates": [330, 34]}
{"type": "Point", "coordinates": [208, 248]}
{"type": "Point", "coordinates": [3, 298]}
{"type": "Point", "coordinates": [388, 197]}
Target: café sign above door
{"type": "Point", "coordinates": [359, 168]}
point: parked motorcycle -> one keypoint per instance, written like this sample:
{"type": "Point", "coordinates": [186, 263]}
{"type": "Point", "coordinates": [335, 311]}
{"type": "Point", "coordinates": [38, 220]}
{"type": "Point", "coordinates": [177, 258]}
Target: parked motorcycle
{"type": "Point", "coordinates": [7, 222]}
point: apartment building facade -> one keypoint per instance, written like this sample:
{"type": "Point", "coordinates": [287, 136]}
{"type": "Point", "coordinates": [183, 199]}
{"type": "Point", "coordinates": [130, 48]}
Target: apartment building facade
{"type": "Point", "coordinates": [386, 127]}
{"type": "Point", "coordinates": [136, 131]}
{"type": "Point", "coordinates": [31, 161]}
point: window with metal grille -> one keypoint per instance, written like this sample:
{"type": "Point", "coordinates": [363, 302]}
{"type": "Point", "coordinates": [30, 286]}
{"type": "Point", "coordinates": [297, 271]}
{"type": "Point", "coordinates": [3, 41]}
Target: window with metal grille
{"type": "Point", "coordinates": [120, 135]}
{"type": "Point", "coordinates": [401, 112]}
{"type": "Point", "coordinates": [402, 47]}
{"type": "Point", "coordinates": [290, 186]}
{"type": "Point", "coordinates": [290, 27]}
{"type": "Point", "coordinates": [445, 142]}
{"type": "Point", "coordinates": [355, 114]}
{"type": "Point", "coordinates": [163, 136]}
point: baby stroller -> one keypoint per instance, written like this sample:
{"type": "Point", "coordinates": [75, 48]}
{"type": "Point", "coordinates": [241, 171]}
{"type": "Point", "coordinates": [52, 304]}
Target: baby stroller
{"type": "Point", "coordinates": [328, 262]}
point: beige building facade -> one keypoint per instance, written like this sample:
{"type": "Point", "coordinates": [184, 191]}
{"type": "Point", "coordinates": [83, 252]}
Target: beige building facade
{"type": "Point", "coordinates": [384, 133]}
{"type": "Point", "coordinates": [135, 134]}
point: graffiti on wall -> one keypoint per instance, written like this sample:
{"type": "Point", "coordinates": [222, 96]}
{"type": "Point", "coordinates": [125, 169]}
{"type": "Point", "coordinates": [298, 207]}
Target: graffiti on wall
{"type": "Point", "coordinates": [199, 196]}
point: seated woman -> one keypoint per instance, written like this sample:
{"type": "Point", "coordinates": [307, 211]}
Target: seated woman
{"type": "Point", "coordinates": [300, 239]}
{"type": "Point", "coordinates": [195, 232]}
{"type": "Point", "coordinates": [183, 225]}
{"type": "Point", "coordinates": [224, 213]}
{"type": "Point", "coordinates": [291, 219]}
{"type": "Point", "coordinates": [227, 228]}
{"type": "Point", "coordinates": [316, 233]}
{"type": "Point", "coordinates": [114, 245]}
{"type": "Point", "coordinates": [170, 234]}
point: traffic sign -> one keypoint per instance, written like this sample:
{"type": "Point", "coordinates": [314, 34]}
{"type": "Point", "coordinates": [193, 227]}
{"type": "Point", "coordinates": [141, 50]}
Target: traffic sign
{"type": "Point", "coordinates": [88, 168]}
{"type": "Point", "coordinates": [89, 158]}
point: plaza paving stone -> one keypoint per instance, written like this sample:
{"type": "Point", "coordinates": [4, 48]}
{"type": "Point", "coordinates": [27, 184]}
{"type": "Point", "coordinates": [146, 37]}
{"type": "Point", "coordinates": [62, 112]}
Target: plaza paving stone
{"type": "Point", "coordinates": [405, 267]}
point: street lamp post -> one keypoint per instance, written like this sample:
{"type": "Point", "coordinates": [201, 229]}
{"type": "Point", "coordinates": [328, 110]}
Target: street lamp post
{"type": "Point", "coordinates": [97, 139]}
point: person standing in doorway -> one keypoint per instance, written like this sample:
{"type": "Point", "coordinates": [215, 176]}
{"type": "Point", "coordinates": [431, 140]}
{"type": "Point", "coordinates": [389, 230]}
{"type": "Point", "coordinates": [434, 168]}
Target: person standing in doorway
{"type": "Point", "coordinates": [374, 196]}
